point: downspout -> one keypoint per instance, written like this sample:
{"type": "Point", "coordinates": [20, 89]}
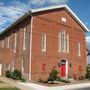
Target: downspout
{"type": "Point", "coordinates": [30, 49]}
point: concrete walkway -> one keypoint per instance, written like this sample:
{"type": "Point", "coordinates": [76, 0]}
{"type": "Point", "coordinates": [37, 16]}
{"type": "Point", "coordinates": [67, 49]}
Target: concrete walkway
{"type": "Point", "coordinates": [66, 87]}
{"type": "Point", "coordinates": [15, 84]}
{"type": "Point", "coordinates": [33, 86]}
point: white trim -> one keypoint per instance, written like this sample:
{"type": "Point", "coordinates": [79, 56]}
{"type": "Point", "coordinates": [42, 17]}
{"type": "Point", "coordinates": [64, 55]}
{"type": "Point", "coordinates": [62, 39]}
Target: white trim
{"type": "Point", "coordinates": [43, 42]}
{"type": "Point", "coordinates": [63, 19]}
{"type": "Point", "coordinates": [30, 49]}
{"type": "Point", "coordinates": [59, 42]}
{"type": "Point", "coordinates": [22, 65]}
{"type": "Point", "coordinates": [8, 46]}
{"type": "Point", "coordinates": [0, 69]}
{"type": "Point", "coordinates": [15, 42]}
{"type": "Point", "coordinates": [62, 6]}
{"type": "Point", "coordinates": [24, 38]}
{"type": "Point", "coordinates": [66, 69]}
{"type": "Point", "coordinates": [3, 42]}
{"type": "Point", "coordinates": [68, 43]}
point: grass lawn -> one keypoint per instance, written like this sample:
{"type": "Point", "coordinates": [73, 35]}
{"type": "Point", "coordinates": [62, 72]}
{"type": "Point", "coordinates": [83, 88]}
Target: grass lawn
{"type": "Point", "coordinates": [9, 89]}
{"type": "Point", "coordinates": [1, 82]}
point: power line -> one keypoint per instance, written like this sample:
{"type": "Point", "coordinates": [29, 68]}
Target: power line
{"type": "Point", "coordinates": [13, 9]}
{"type": "Point", "coordinates": [2, 27]}
{"type": "Point", "coordinates": [7, 17]}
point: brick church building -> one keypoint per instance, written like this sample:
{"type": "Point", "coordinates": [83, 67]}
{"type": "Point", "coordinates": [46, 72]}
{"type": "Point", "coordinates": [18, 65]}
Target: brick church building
{"type": "Point", "coordinates": [42, 39]}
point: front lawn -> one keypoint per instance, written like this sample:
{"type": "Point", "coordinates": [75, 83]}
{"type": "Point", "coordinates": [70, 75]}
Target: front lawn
{"type": "Point", "coordinates": [1, 82]}
{"type": "Point", "coordinates": [9, 88]}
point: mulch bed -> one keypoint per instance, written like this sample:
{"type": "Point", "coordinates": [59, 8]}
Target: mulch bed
{"type": "Point", "coordinates": [62, 84]}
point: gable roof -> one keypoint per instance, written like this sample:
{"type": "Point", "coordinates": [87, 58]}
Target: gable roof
{"type": "Point", "coordinates": [46, 9]}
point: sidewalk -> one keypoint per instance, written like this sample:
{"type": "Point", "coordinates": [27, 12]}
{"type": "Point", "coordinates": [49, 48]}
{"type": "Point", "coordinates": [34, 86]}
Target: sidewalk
{"type": "Point", "coordinates": [33, 86]}
{"type": "Point", "coordinates": [15, 84]}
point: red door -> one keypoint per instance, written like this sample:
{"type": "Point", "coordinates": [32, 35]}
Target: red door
{"type": "Point", "coordinates": [63, 70]}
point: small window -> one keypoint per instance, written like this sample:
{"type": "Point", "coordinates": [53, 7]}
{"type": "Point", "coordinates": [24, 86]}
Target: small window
{"type": "Point", "coordinates": [59, 42]}
{"type": "Point", "coordinates": [3, 43]}
{"type": "Point", "coordinates": [8, 46]}
{"type": "Point", "coordinates": [24, 38]}
{"type": "Point", "coordinates": [7, 67]}
{"type": "Point", "coordinates": [79, 49]}
{"type": "Point", "coordinates": [43, 42]}
{"type": "Point", "coordinates": [63, 19]}
{"type": "Point", "coordinates": [15, 42]}
{"type": "Point", "coordinates": [68, 43]}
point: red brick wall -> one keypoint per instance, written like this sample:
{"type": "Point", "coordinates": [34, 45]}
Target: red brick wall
{"type": "Point", "coordinates": [20, 53]}
{"type": "Point", "coordinates": [50, 23]}
{"type": "Point", "coordinates": [6, 57]}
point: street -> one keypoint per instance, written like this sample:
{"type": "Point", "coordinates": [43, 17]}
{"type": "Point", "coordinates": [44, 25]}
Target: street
{"type": "Point", "coordinates": [87, 88]}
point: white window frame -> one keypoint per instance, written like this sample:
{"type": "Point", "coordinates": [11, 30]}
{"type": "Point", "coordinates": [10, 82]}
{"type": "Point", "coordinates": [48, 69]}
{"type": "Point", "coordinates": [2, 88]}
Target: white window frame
{"type": "Point", "coordinates": [59, 42]}
{"type": "Point", "coordinates": [22, 65]}
{"type": "Point", "coordinates": [15, 41]}
{"type": "Point", "coordinates": [24, 38]}
{"type": "Point", "coordinates": [8, 46]}
{"type": "Point", "coordinates": [62, 41]}
{"type": "Point", "coordinates": [3, 42]}
{"type": "Point", "coordinates": [63, 19]}
{"type": "Point", "coordinates": [68, 46]}
{"type": "Point", "coordinates": [43, 42]}
{"type": "Point", "coordinates": [79, 49]}
{"type": "Point", "coordinates": [8, 67]}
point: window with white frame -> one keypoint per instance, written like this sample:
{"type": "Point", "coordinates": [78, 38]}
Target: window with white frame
{"type": "Point", "coordinates": [68, 43]}
{"type": "Point", "coordinates": [7, 66]}
{"type": "Point", "coordinates": [3, 43]}
{"type": "Point", "coordinates": [24, 38]}
{"type": "Point", "coordinates": [8, 46]}
{"type": "Point", "coordinates": [63, 19]}
{"type": "Point", "coordinates": [22, 65]}
{"type": "Point", "coordinates": [79, 49]}
{"type": "Point", "coordinates": [43, 41]}
{"type": "Point", "coordinates": [15, 41]}
{"type": "Point", "coordinates": [59, 42]}
{"type": "Point", "coordinates": [63, 42]}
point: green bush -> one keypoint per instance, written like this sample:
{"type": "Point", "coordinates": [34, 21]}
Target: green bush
{"type": "Point", "coordinates": [16, 74]}
{"type": "Point", "coordinates": [23, 80]}
{"type": "Point", "coordinates": [8, 73]}
{"type": "Point", "coordinates": [87, 76]}
{"type": "Point", "coordinates": [53, 75]}
{"type": "Point", "coordinates": [59, 79]}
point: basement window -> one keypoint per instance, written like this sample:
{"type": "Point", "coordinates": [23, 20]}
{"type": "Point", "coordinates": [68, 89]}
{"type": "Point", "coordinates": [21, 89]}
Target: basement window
{"type": "Point", "coordinates": [7, 67]}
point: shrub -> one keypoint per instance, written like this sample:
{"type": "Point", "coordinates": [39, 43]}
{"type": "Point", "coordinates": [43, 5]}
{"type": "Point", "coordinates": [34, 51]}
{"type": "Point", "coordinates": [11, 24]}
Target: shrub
{"type": "Point", "coordinates": [81, 78]}
{"type": "Point", "coordinates": [23, 80]}
{"type": "Point", "coordinates": [87, 76]}
{"type": "Point", "coordinates": [16, 74]}
{"type": "Point", "coordinates": [8, 73]}
{"type": "Point", "coordinates": [53, 75]}
{"type": "Point", "coordinates": [58, 79]}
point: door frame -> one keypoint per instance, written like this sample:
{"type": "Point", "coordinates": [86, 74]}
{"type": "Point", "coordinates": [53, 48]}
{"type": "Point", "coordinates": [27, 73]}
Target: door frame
{"type": "Point", "coordinates": [66, 64]}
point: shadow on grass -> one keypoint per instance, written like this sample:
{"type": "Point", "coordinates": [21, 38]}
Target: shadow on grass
{"type": "Point", "coordinates": [9, 88]}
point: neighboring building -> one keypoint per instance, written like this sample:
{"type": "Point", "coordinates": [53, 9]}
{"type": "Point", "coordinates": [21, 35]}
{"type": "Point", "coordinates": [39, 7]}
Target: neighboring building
{"type": "Point", "coordinates": [46, 38]}
{"type": "Point", "coordinates": [88, 58]}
